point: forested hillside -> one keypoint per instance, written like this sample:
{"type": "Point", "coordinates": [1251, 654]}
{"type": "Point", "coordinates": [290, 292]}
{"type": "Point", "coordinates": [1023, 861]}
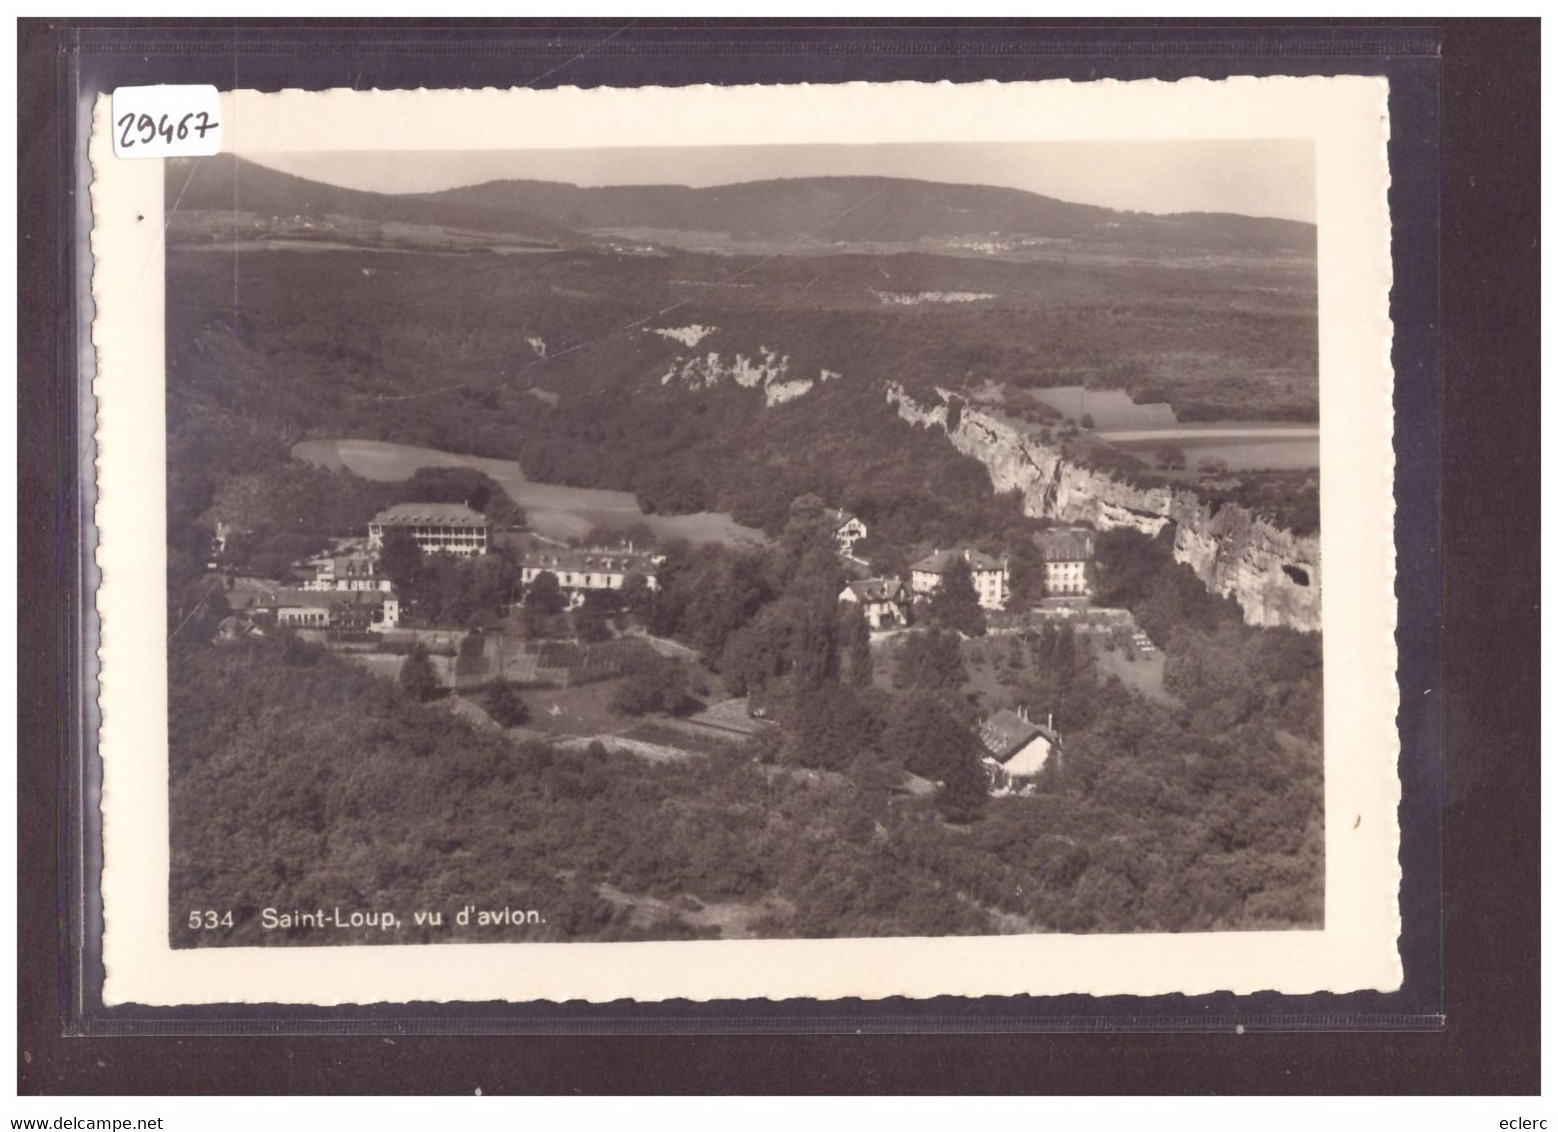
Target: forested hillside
{"type": "Point", "coordinates": [227, 184]}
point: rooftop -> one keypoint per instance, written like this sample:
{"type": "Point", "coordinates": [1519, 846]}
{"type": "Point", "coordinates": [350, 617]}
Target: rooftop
{"type": "Point", "coordinates": [284, 597]}
{"type": "Point", "coordinates": [608, 561]}
{"type": "Point", "coordinates": [941, 561]}
{"type": "Point", "coordinates": [1065, 546]}
{"type": "Point", "coordinates": [877, 589]}
{"type": "Point", "coordinates": [430, 514]}
{"type": "Point", "coordinates": [360, 597]}
{"type": "Point", "coordinates": [1007, 732]}
{"type": "Point", "coordinates": [362, 564]}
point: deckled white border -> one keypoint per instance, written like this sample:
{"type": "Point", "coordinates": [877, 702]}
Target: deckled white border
{"type": "Point", "coordinates": [1346, 118]}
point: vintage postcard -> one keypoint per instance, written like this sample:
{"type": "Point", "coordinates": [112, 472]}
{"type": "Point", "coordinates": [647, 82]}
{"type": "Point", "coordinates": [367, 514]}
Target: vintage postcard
{"type": "Point", "coordinates": [763, 542]}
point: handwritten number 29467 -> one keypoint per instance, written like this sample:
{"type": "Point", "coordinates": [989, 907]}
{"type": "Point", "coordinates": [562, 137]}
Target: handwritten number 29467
{"type": "Point", "coordinates": [150, 129]}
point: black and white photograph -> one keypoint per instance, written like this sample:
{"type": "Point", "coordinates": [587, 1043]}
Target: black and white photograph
{"type": "Point", "coordinates": [835, 541]}
{"type": "Point", "coordinates": [656, 543]}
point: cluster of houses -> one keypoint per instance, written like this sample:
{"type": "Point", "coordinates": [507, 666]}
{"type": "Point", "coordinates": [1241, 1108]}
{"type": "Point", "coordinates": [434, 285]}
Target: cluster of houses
{"type": "Point", "coordinates": [358, 611]}
{"type": "Point", "coordinates": [885, 602]}
{"type": "Point", "coordinates": [348, 592]}
{"type": "Point", "coordinates": [991, 576]}
{"type": "Point", "coordinates": [1016, 748]}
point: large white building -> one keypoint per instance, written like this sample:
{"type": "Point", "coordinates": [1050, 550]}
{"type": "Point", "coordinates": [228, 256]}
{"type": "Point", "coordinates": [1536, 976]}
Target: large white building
{"type": "Point", "coordinates": [439, 528]}
{"type": "Point", "coordinates": [1068, 557]}
{"type": "Point", "coordinates": [579, 570]}
{"type": "Point", "coordinates": [991, 576]}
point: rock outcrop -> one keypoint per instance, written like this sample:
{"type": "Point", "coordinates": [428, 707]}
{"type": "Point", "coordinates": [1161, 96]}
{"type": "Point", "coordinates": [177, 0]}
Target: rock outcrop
{"type": "Point", "coordinates": [766, 370]}
{"type": "Point", "coordinates": [686, 335]}
{"type": "Point", "coordinates": [1272, 573]}
{"type": "Point", "coordinates": [915, 298]}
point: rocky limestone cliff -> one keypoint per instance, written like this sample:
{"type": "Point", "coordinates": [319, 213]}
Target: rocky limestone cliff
{"type": "Point", "coordinates": [767, 371]}
{"type": "Point", "coordinates": [687, 335]}
{"type": "Point", "coordinates": [1272, 573]}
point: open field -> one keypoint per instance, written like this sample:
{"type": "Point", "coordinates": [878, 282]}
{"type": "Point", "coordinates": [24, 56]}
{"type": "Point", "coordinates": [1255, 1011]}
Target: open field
{"type": "Point", "coordinates": [1144, 674]}
{"type": "Point", "coordinates": [552, 510]}
{"type": "Point", "coordinates": [1140, 429]}
{"type": "Point", "coordinates": [1276, 449]}
{"type": "Point", "coordinates": [559, 712]}
{"type": "Point", "coordinates": [1109, 408]}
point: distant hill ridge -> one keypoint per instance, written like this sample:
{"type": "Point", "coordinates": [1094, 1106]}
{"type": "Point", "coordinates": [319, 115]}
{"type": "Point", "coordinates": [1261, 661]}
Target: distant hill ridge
{"type": "Point", "coordinates": [226, 182]}
{"type": "Point", "coordinates": [883, 209]}
{"type": "Point", "coordinates": [846, 209]}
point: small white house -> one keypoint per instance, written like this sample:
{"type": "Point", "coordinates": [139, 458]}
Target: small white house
{"type": "Point", "coordinates": [1018, 748]}
{"type": "Point", "coordinates": [847, 531]}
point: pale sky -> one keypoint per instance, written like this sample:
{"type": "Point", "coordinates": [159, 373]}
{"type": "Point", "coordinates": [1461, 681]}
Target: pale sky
{"type": "Point", "coordinates": [1273, 177]}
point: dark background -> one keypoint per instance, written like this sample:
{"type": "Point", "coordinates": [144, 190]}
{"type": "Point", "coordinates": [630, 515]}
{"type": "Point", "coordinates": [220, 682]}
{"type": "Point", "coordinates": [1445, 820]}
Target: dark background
{"type": "Point", "coordinates": [1469, 553]}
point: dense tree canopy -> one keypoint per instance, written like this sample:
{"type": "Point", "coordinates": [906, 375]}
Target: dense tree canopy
{"type": "Point", "coordinates": [417, 678]}
{"type": "Point", "coordinates": [505, 705]}
{"type": "Point", "coordinates": [657, 685]}
{"type": "Point", "coordinates": [400, 560]}
{"type": "Point", "coordinates": [469, 486]}
{"type": "Point", "coordinates": [955, 605]}
{"type": "Point", "coordinates": [932, 662]}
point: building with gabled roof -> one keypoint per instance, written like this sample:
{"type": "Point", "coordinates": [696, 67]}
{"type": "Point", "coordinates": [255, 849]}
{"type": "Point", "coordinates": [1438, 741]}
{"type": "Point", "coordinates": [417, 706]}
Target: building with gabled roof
{"type": "Point", "coordinates": [328, 609]}
{"type": "Point", "coordinates": [847, 531]}
{"type": "Point", "coordinates": [991, 576]}
{"type": "Point", "coordinates": [1018, 747]}
{"type": "Point", "coordinates": [884, 602]}
{"type": "Point", "coordinates": [295, 607]}
{"type": "Point", "coordinates": [439, 528]}
{"type": "Point", "coordinates": [347, 572]}
{"type": "Point", "coordinates": [579, 570]}
{"type": "Point", "coordinates": [364, 610]}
